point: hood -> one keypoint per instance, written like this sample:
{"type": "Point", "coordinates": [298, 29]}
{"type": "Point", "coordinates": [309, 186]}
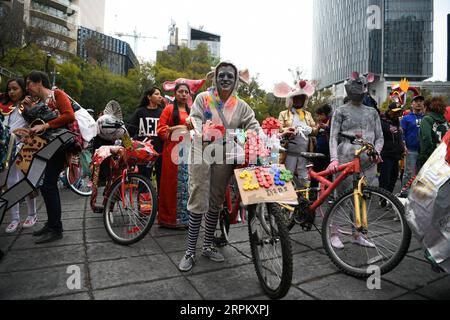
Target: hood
{"type": "Point", "coordinates": [437, 117]}
{"type": "Point", "coordinates": [243, 76]}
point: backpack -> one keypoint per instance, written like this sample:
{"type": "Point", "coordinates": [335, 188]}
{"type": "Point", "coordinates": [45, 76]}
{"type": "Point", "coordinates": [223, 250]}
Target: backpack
{"type": "Point", "coordinates": [84, 125]}
{"type": "Point", "coordinates": [440, 130]}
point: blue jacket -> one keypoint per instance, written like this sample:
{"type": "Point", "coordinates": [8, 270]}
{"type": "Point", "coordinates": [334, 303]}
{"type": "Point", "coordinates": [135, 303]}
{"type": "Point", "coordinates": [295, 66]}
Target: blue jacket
{"type": "Point", "coordinates": [411, 131]}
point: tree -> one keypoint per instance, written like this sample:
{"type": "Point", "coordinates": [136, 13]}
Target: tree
{"type": "Point", "coordinates": [185, 63]}
{"type": "Point", "coordinates": [319, 99]}
{"type": "Point", "coordinates": [12, 28]}
{"type": "Point", "coordinates": [255, 97]}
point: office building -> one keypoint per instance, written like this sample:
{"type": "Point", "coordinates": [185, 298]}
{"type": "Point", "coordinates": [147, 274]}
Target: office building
{"type": "Point", "coordinates": [391, 38]}
{"type": "Point", "coordinates": [105, 50]}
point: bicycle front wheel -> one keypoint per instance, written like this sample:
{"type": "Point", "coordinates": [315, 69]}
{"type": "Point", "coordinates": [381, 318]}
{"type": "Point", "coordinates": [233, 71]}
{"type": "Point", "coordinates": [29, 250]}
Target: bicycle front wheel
{"type": "Point", "coordinates": [385, 244]}
{"type": "Point", "coordinates": [78, 177]}
{"type": "Point", "coordinates": [271, 249]}
{"type": "Point", "coordinates": [130, 209]}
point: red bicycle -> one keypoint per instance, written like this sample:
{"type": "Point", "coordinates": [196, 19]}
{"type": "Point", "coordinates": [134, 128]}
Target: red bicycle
{"type": "Point", "coordinates": [130, 201]}
{"type": "Point", "coordinates": [358, 233]}
{"type": "Point", "coordinates": [233, 213]}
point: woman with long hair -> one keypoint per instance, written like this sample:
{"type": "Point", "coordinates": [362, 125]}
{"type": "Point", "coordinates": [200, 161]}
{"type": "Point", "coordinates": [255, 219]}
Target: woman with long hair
{"type": "Point", "coordinates": [143, 125]}
{"type": "Point", "coordinates": [174, 193]}
{"type": "Point", "coordinates": [10, 109]}
{"type": "Point", "coordinates": [39, 89]}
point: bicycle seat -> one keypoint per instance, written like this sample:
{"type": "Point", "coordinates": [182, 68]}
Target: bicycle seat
{"type": "Point", "coordinates": [312, 156]}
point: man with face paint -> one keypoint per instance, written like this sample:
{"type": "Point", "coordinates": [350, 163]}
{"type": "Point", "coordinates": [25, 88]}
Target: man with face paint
{"type": "Point", "coordinates": [358, 120]}
{"type": "Point", "coordinates": [209, 179]}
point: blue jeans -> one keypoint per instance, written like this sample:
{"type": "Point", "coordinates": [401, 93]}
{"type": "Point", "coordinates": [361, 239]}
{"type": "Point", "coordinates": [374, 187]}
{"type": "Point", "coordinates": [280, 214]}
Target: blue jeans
{"type": "Point", "coordinates": [411, 166]}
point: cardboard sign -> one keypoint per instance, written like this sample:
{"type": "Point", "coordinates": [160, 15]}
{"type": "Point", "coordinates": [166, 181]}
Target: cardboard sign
{"type": "Point", "coordinates": [273, 194]}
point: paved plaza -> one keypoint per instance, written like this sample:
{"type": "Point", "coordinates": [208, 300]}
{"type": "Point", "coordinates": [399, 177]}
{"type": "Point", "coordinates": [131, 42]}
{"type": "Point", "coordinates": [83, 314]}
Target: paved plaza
{"type": "Point", "coordinates": [148, 270]}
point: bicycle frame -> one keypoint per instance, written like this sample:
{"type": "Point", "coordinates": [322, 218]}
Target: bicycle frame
{"type": "Point", "coordinates": [328, 187]}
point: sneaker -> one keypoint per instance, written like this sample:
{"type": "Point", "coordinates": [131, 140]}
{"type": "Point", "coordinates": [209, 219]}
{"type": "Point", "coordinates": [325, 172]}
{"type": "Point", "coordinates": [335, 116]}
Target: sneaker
{"type": "Point", "coordinates": [382, 204]}
{"type": "Point", "coordinates": [213, 255]}
{"type": "Point", "coordinates": [187, 263]}
{"type": "Point", "coordinates": [360, 241]}
{"type": "Point", "coordinates": [336, 242]}
{"type": "Point", "coordinates": [30, 222]}
{"type": "Point", "coordinates": [13, 227]}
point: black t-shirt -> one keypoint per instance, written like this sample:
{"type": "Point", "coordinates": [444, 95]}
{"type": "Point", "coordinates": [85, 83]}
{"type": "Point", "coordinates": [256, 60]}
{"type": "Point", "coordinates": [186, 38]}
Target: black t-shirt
{"type": "Point", "coordinates": [143, 124]}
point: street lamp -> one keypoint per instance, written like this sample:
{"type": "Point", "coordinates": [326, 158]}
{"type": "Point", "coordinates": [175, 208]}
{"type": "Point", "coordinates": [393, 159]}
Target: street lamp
{"type": "Point", "coordinates": [49, 55]}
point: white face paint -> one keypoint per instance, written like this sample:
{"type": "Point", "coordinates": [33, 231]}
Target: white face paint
{"type": "Point", "coordinates": [226, 79]}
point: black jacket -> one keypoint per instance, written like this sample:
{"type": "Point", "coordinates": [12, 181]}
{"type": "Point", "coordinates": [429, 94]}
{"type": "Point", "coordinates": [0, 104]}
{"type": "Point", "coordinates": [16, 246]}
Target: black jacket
{"type": "Point", "coordinates": [394, 147]}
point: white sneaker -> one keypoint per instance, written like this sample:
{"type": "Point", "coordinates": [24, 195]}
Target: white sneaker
{"type": "Point", "coordinates": [360, 241]}
{"type": "Point", "coordinates": [13, 227]}
{"type": "Point", "coordinates": [30, 222]}
{"type": "Point", "coordinates": [336, 242]}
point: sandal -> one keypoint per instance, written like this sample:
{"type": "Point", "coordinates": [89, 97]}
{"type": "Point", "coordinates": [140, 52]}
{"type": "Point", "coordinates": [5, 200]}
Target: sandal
{"type": "Point", "coordinates": [30, 222]}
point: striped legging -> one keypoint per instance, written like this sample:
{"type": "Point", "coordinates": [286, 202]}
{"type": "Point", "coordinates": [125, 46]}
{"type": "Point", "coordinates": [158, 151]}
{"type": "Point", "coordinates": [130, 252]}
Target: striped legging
{"type": "Point", "coordinates": [195, 221]}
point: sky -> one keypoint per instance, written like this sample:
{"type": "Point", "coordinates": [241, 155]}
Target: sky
{"type": "Point", "coordinates": [266, 37]}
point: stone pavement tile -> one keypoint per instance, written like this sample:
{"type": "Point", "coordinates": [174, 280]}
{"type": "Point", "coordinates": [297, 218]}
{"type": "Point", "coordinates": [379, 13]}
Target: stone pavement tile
{"type": "Point", "coordinates": [237, 235]}
{"type": "Point", "coordinates": [157, 231]}
{"type": "Point", "coordinates": [419, 254]}
{"type": "Point", "coordinates": [42, 258]}
{"type": "Point", "coordinates": [27, 241]}
{"type": "Point", "coordinates": [343, 287]}
{"type": "Point", "coordinates": [68, 225]}
{"type": "Point", "coordinates": [412, 274]}
{"type": "Point", "coordinates": [415, 245]}
{"type": "Point", "coordinates": [177, 243]}
{"type": "Point", "coordinates": [294, 294]}
{"type": "Point", "coordinates": [95, 223]}
{"type": "Point", "coordinates": [230, 284]}
{"type": "Point", "coordinates": [78, 296]}
{"type": "Point", "coordinates": [411, 296]}
{"type": "Point", "coordinates": [37, 284]}
{"type": "Point", "coordinates": [202, 264]}
{"type": "Point", "coordinates": [131, 270]}
{"type": "Point", "coordinates": [310, 239]}
{"type": "Point", "coordinates": [97, 235]}
{"type": "Point", "coordinates": [5, 242]}
{"type": "Point", "coordinates": [311, 265]}
{"type": "Point", "coordinates": [110, 251]}
{"type": "Point", "coordinates": [244, 247]}
{"type": "Point", "coordinates": [169, 289]}
{"type": "Point", "coordinates": [439, 290]}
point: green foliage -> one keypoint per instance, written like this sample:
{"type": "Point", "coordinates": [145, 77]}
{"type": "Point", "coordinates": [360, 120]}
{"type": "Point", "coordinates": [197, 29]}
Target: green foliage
{"type": "Point", "coordinates": [184, 63]}
{"type": "Point", "coordinates": [319, 99]}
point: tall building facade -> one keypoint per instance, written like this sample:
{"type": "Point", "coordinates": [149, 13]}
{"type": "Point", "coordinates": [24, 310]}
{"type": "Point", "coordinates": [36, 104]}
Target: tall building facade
{"type": "Point", "coordinates": [105, 50]}
{"type": "Point", "coordinates": [390, 38]}
{"type": "Point", "coordinates": [197, 36]}
{"type": "Point", "coordinates": [92, 14]}
{"type": "Point", "coordinates": [448, 47]}
{"type": "Point", "coordinates": [58, 19]}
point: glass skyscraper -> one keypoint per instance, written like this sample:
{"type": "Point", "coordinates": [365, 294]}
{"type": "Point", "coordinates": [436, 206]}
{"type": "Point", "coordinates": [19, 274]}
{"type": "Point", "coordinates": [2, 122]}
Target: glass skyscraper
{"type": "Point", "coordinates": [346, 39]}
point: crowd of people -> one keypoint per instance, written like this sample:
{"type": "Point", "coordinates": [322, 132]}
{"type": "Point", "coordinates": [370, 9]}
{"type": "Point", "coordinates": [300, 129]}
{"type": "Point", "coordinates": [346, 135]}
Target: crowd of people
{"type": "Point", "coordinates": [190, 191]}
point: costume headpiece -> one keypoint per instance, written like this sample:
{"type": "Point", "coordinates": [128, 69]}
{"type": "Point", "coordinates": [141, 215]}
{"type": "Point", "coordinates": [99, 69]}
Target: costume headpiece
{"type": "Point", "coordinates": [283, 90]}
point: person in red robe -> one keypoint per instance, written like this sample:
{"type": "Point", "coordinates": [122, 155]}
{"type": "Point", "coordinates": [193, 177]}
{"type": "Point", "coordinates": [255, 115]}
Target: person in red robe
{"type": "Point", "coordinates": [174, 192]}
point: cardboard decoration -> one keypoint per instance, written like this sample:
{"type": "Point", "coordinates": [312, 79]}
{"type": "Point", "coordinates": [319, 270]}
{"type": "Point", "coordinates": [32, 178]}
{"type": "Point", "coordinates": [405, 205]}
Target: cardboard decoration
{"type": "Point", "coordinates": [26, 154]}
{"type": "Point", "coordinates": [281, 194]}
{"type": "Point", "coordinates": [35, 172]}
